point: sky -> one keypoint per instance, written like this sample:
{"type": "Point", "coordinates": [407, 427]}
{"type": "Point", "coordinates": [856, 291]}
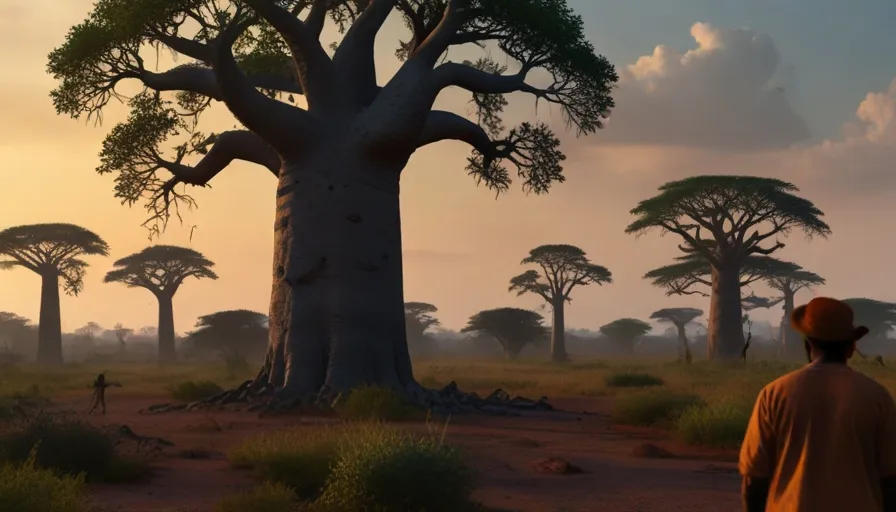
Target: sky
{"type": "Point", "coordinates": [802, 90]}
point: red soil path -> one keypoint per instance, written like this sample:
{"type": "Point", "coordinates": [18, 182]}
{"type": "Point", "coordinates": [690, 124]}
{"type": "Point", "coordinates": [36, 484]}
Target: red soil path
{"type": "Point", "coordinates": [504, 450]}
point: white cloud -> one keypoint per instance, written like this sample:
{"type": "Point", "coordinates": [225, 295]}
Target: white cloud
{"type": "Point", "coordinates": [721, 95]}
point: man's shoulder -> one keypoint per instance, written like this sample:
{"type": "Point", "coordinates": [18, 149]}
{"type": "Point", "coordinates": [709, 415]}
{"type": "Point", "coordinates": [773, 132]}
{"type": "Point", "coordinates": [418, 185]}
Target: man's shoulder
{"type": "Point", "coordinates": [870, 387]}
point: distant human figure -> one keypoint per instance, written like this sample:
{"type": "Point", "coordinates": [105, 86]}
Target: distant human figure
{"type": "Point", "coordinates": [99, 392]}
{"type": "Point", "coordinates": [821, 438]}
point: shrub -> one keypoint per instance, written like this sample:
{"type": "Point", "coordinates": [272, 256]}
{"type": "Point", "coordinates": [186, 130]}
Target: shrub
{"type": "Point", "coordinates": [652, 408]}
{"type": "Point", "coordinates": [190, 391]}
{"type": "Point", "coordinates": [28, 488]}
{"type": "Point", "coordinates": [719, 425]}
{"type": "Point", "coordinates": [383, 469]}
{"type": "Point", "coordinates": [376, 403]}
{"type": "Point", "coordinates": [633, 380]}
{"type": "Point", "coordinates": [69, 447]}
{"type": "Point", "coordinates": [267, 497]}
{"type": "Point", "coordinates": [300, 458]}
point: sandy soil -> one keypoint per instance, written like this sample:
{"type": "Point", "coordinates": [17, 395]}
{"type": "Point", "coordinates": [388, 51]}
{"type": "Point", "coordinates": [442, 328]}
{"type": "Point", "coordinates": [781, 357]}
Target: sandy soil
{"type": "Point", "coordinates": [504, 450]}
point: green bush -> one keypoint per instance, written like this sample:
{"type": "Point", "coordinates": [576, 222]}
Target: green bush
{"type": "Point", "coordinates": [719, 425]}
{"type": "Point", "coordinates": [382, 469]}
{"type": "Point", "coordinates": [28, 488]}
{"type": "Point", "coordinates": [267, 497]}
{"type": "Point", "coordinates": [69, 447]}
{"type": "Point", "coordinates": [652, 408]}
{"type": "Point", "coordinates": [376, 403]}
{"type": "Point", "coordinates": [300, 459]}
{"type": "Point", "coordinates": [190, 391]}
{"type": "Point", "coordinates": [633, 380]}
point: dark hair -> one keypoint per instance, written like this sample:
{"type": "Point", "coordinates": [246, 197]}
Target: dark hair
{"type": "Point", "coordinates": [829, 349]}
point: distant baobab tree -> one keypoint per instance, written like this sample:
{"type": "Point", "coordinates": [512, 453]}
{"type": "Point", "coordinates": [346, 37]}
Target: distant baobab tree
{"type": "Point", "coordinates": [512, 328]}
{"type": "Point", "coordinates": [788, 283]}
{"type": "Point", "coordinates": [680, 318]}
{"type": "Point", "coordinates": [162, 269]}
{"type": "Point", "coordinates": [625, 332]}
{"type": "Point", "coordinates": [54, 252]}
{"type": "Point", "coordinates": [724, 220]}
{"type": "Point", "coordinates": [563, 267]}
{"type": "Point", "coordinates": [348, 139]}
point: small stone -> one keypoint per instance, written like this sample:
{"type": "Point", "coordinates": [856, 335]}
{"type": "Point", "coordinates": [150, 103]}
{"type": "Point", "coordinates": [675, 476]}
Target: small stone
{"type": "Point", "coordinates": [557, 466]}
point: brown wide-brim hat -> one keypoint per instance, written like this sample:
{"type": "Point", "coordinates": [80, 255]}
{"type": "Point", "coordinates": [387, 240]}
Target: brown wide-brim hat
{"type": "Point", "coordinates": [826, 319]}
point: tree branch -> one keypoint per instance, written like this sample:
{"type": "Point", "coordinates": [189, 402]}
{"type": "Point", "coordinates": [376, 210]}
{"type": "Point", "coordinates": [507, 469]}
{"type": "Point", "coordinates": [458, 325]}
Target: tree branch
{"type": "Point", "coordinates": [313, 65]}
{"type": "Point", "coordinates": [482, 82]}
{"type": "Point", "coordinates": [442, 37]}
{"type": "Point", "coordinates": [442, 125]}
{"type": "Point", "coordinates": [287, 129]}
{"type": "Point", "coordinates": [354, 59]}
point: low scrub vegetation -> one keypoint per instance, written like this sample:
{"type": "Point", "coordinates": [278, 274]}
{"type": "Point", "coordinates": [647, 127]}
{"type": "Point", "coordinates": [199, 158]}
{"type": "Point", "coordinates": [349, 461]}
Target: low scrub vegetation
{"type": "Point", "coordinates": [717, 424]}
{"type": "Point", "coordinates": [267, 497]}
{"type": "Point", "coordinates": [25, 487]}
{"type": "Point", "coordinates": [652, 408]}
{"type": "Point", "coordinates": [190, 391]}
{"type": "Point", "coordinates": [68, 447]}
{"type": "Point", "coordinates": [633, 380]}
{"type": "Point", "coordinates": [376, 403]}
{"type": "Point", "coordinates": [362, 466]}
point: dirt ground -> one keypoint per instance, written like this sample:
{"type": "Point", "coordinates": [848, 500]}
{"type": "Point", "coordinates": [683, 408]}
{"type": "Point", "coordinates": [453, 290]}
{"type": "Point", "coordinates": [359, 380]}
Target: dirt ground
{"type": "Point", "coordinates": [504, 450]}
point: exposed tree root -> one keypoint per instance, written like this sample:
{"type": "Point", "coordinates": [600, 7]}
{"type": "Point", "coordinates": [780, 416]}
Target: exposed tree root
{"type": "Point", "coordinates": [266, 400]}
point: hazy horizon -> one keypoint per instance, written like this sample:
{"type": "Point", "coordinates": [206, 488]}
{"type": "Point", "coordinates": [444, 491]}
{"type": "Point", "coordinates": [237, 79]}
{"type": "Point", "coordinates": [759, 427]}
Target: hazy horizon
{"type": "Point", "coordinates": [781, 89]}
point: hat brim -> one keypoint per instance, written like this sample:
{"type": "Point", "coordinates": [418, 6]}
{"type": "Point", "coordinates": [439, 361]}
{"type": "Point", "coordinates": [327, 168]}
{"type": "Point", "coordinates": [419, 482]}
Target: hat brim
{"type": "Point", "coordinates": [798, 323]}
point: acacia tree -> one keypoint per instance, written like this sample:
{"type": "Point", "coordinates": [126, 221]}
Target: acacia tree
{"type": "Point", "coordinates": [54, 252]}
{"type": "Point", "coordinates": [121, 334]}
{"type": "Point", "coordinates": [680, 318]}
{"type": "Point", "coordinates": [724, 220]}
{"type": "Point", "coordinates": [512, 328]}
{"type": "Point", "coordinates": [624, 332]}
{"type": "Point", "coordinates": [563, 267]}
{"type": "Point", "coordinates": [418, 319]}
{"type": "Point", "coordinates": [162, 269]}
{"type": "Point", "coordinates": [17, 334]}
{"type": "Point", "coordinates": [880, 319]}
{"type": "Point", "coordinates": [788, 283]}
{"type": "Point", "coordinates": [338, 159]}
{"type": "Point", "coordinates": [233, 333]}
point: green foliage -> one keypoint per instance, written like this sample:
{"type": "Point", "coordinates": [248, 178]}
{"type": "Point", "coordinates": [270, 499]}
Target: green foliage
{"type": "Point", "coordinates": [625, 329]}
{"type": "Point", "coordinates": [235, 334]}
{"type": "Point", "coordinates": [161, 268]}
{"type": "Point", "coordinates": [789, 283]}
{"type": "Point", "coordinates": [25, 487]}
{"type": "Point", "coordinates": [418, 318]}
{"type": "Point", "coordinates": [652, 408]}
{"type": "Point", "coordinates": [374, 469]}
{"type": "Point", "coordinates": [678, 316]}
{"type": "Point", "coordinates": [564, 266]}
{"type": "Point", "coordinates": [376, 403]}
{"type": "Point", "coordinates": [633, 380]}
{"type": "Point", "coordinates": [266, 497]}
{"type": "Point", "coordinates": [190, 391]}
{"type": "Point", "coordinates": [719, 424]}
{"type": "Point", "coordinates": [69, 447]}
{"type": "Point", "coordinates": [694, 269]}
{"type": "Point", "coordinates": [513, 328]}
{"type": "Point", "coordinates": [57, 245]}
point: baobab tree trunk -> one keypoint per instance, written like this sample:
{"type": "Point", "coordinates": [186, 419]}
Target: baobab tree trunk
{"type": "Point", "coordinates": [725, 336]}
{"type": "Point", "coordinates": [558, 333]}
{"type": "Point", "coordinates": [167, 350]}
{"type": "Point", "coordinates": [792, 342]}
{"type": "Point", "coordinates": [49, 330]}
{"type": "Point", "coordinates": [337, 302]}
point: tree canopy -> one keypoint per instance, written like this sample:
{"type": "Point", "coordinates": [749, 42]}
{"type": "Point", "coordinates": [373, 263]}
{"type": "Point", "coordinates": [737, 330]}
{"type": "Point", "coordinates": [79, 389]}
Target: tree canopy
{"type": "Point", "coordinates": [789, 283]}
{"type": "Point", "coordinates": [692, 272]}
{"type": "Point", "coordinates": [161, 268]}
{"type": "Point", "coordinates": [233, 332]}
{"type": "Point", "coordinates": [513, 328]}
{"type": "Point", "coordinates": [16, 333]}
{"type": "Point", "coordinates": [52, 248]}
{"type": "Point", "coordinates": [418, 317]}
{"type": "Point", "coordinates": [625, 331]}
{"type": "Point", "coordinates": [878, 316]}
{"type": "Point", "coordinates": [678, 316]}
{"type": "Point", "coordinates": [563, 267]}
{"type": "Point", "coordinates": [723, 217]}
{"type": "Point", "coordinates": [257, 56]}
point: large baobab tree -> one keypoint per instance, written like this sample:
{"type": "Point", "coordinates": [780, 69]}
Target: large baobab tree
{"type": "Point", "coordinates": [788, 283]}
{"type": "Point", "coordinates": [162, 269]}
{"type": "Point", "coordinates": [54, 252]}
{"type": "Point", "coordinates": [563, 267]}
{"type": "Point", "coordinates": [680, 318]}
{"type": "Point", "coordinates": [625, 332]}
{"type": "Point", "coordinates": [512, 328]}
{"type": "Point", "coordinates": [724, 220]}
{"type": "Point", "coordinates": [338, 152]}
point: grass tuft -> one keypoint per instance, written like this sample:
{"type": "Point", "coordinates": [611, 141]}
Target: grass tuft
{"type": "Point", "coordinates": [26, 487]}
{"type": "Point", "coordinates": [652, 408]}
{"type": "Point", "coordinates": [716, 424]}
{"type": "Point", "coordinates": [633, 380]}
{"type": "Point", "coordinates": [266, 497]}
{"type": "Point", "coordinates": [190, 391]}
{"type": "Point", "coordinates": [377, 403]}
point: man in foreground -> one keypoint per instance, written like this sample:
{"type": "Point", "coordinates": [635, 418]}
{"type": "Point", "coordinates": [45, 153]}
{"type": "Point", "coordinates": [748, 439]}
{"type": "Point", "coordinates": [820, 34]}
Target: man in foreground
{"type": "Point", "coordinates": [822, 438]}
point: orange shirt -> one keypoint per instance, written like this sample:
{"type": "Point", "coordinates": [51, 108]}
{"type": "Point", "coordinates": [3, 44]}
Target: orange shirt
{"type": "Point", "coordinates": [825, 435]}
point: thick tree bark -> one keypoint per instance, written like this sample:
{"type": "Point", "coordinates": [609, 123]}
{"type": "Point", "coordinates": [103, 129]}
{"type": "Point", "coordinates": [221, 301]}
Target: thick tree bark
{"type": "Point", "coordinates": [791, 341]}
{"type": "Point", "coordinates": [558, 333]}
{"type": "Point", "coordinates": [725, 336]}
{"type": "Point", "coordinates": [167, 350]}
{"type": "Point", "coordinates": [49, 330]}
{"type": "Point", "coordinates": [337, 302]}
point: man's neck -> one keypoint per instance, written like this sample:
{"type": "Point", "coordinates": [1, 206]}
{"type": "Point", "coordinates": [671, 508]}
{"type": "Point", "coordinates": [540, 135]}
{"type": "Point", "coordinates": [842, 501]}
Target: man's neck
{"type": "Point", "coordinates": [826, 360]}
